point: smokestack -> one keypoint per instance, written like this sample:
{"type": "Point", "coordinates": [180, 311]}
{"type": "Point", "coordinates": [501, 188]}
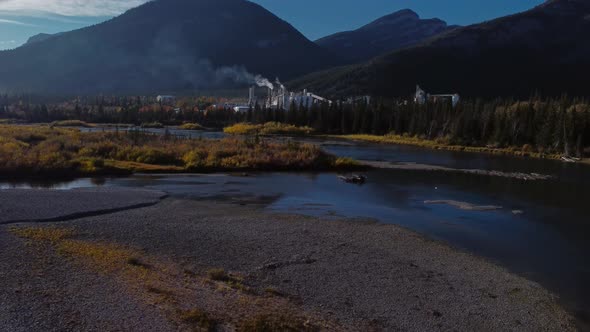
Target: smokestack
{"type": "Point", "coordinates": [281, 86]}
{"type": "Point", "coordinates": [252, 96]}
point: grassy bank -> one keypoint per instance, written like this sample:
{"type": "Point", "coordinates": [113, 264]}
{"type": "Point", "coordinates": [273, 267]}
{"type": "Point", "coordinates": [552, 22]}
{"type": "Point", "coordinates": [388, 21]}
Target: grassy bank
{"type": "Point", "coordinates": [71, 123]}
{"type": "Point", "coordinates": [152, 125]}
{"type": "Point", "coordinates": [441, 144]}
{"type": "Point", "coordinates": [40, 150]}
{"type": "Point", "coordinates": [273, 128]}
{"type": "Point", "coordinates": [269, 128]}
{"type": "Point", "coordinates": [192, 126]}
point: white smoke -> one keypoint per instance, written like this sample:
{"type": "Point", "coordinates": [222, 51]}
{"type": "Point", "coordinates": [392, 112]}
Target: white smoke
{"type": "Point", "coordinates": [239, 74]}
{"type": "Point", "coordinates": [235, 74]}
{"type": "Point", "coordinates": [278, 82]}
{"type": "Point", "coordinates": [168, 60]}
{"type": "Point", "coordinates": [263, 82]}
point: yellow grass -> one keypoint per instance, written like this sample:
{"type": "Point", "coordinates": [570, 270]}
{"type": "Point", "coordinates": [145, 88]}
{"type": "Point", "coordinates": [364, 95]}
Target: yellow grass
{"type": "Point", "coordinates": [163, 284]}
{"type": "Point", "coordinates": [34, 150]}
{"type": "Point", "coordinates": [50, 234]}
{"type": "Point", "coordinates": [142, 167]}
{"type": "Point", "coordinates": [101, 256]}
{"type": "Point", "coordinates": [71, 123]}
{"type": "Point", "coordinates": [441, 144]}
{"type": "Point", "coordinates": [269, 128]}
{"type": "Point", "coordinates": [191, 126]}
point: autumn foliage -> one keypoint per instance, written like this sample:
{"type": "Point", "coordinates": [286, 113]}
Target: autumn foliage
{"type": "Point", "coordinates": [32, 150]}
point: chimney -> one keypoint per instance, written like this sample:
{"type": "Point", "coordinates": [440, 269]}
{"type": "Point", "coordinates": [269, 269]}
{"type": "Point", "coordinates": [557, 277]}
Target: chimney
{"type": "Point", "coordinates": [252, 97]}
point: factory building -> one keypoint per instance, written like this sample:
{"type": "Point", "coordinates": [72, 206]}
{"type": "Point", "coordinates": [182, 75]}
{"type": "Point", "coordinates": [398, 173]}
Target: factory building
{"type": "Point", "coordinates": [282, 99]}
{"type": "Point", "coordinates": [242, 109]}
{"type": "Point", "coordinates": [167, 100]}
{"type": "Point", "coordinates": [279, 97]}
{"type": "Point", "coordinates": [422, 97]}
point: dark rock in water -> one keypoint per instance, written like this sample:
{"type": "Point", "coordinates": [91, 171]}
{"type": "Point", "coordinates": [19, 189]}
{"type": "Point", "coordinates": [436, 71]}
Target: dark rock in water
{"type": "Point", "coordinates": [356, 179]}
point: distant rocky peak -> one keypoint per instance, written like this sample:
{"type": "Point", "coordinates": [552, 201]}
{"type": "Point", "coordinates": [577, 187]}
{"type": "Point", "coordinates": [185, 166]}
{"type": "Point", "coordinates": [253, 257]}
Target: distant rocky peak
{"type": "Point", "coordinates": [404, 13]}
{"type": "Point", "coordinates": [396, 18]}
{"type": "Point", "coordinates": [405, 16]}
{"type": "Point", "coordinates": [567, 7]}
{"type": "Point", "coordinates": [395, 31]}
{"type": "Point", "coordinates": [38, 38]}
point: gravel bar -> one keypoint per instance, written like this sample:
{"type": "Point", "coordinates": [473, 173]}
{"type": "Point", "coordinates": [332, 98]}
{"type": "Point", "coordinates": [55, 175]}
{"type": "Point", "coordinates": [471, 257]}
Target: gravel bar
{"type": "Point", "coordinates": [363, 275]}
{"type": "Point", "coordinates": [52, 205]}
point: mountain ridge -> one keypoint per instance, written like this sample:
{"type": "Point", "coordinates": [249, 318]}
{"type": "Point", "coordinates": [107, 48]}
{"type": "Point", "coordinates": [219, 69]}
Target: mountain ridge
{"type": "Point", "coordinates": [537, 51]}
{"type": "Point", "coordinates": [164, 45]}
{"type": "Point", "coordinates": [391, 32]}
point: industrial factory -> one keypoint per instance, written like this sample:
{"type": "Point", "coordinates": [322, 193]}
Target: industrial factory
{"type": "Point", "coordinates": [422, 97]}
{"type": "Point", "coordinates": [280, 98]}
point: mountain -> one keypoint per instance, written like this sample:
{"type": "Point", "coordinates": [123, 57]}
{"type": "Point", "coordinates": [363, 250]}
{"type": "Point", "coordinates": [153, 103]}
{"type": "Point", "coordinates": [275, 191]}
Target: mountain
{"type": "Point", "coordinates": [389, 33]}
{"type": "Point", "coordinates": [164, 45]}
{"type": "Point", "coordinates": [543, 50]}
{"type": "Point", "coordinates": [40, 37]}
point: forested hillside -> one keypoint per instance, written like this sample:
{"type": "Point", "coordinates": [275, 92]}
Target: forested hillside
{"type": "Point", "coordinates": [164, 46]}
{"type": "Point", "coordinates": [540, 51]}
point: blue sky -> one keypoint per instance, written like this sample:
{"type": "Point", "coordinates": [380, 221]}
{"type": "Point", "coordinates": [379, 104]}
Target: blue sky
{"type": "Point", "coordinates": [20, 19]}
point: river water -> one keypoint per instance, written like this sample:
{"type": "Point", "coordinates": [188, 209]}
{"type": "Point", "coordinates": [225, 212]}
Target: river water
{"type": "Point", "coordinates": [538, 229]}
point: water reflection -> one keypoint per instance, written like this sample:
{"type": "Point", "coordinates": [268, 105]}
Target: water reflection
{"type": "Point", "coordinates": [53, 184]}
{"type": "Point", "coordinates": [172, 131]}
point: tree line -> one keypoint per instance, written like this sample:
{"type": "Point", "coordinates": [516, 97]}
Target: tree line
{"type": "Point", "coordinates": [544, 125]}
{"type": "Point", "coordinates": [559, 125]}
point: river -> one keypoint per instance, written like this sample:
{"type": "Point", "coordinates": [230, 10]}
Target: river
{"type": "Point", "coordinates": [537, 229]}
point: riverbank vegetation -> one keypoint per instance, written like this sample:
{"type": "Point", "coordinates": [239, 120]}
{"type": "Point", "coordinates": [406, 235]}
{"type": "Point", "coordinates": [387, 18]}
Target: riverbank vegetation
{"type": "Point", "coordinates": [559, 126]}
{"type": "Point", "coordinates": [537, 128]}
{"type": "Point", "coordinates": [40, 150]}
{"type": "Point", "coordinates": [269, 128]}
{"type": "Point", "coordinates": [152, 125]}
{"type": "Point", "coordinates": [445, 144]}
{"type": "Point", "coordinates": [191, 126]}
{"type": "Point", "coordinates": [71, 123]}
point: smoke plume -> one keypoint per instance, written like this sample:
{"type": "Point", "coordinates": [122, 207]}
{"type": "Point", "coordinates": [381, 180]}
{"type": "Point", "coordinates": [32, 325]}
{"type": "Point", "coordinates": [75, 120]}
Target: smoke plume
{"type": "Point", "coordinates": [263, 82]}
{"type": "Point", "coordinates": [278, 82]}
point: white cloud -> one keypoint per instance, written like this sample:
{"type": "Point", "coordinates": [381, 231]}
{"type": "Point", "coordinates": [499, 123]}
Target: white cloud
{"type": "Point", "coordinates": [4, 21]}
{"type": "Point", "coordinates": [73, 7]}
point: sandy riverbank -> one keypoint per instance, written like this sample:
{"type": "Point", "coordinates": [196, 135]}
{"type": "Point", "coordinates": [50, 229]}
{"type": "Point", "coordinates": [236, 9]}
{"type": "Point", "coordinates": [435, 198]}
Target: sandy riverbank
{"type": "Point", "coordinates": [150, 269]}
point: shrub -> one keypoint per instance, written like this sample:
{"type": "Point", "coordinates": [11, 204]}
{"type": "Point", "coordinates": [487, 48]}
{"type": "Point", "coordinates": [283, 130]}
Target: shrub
{"type": "Point", "coordinates": [71, 123]}
{"type": "Point", "coordinates": [217, 275]}
{"type": "Point", "coordinates": [269, 128]}
{"type": "Point", "coordinates": [191, 126]}
{"type": "Point", "coordinates": [242, 129]}
{"type": "Point", "coordinates": [199, 319]}
{"type": "Point", "coordinates": [527, 148]}
{"type": "Point", "coordinates": [275, 322]}
{"type": "Point", "coordinates": [195, 159]}
{"type": "Point", "coordinates": [69, 151]}
{"type": "Point", "coordinates": [154, 125]}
